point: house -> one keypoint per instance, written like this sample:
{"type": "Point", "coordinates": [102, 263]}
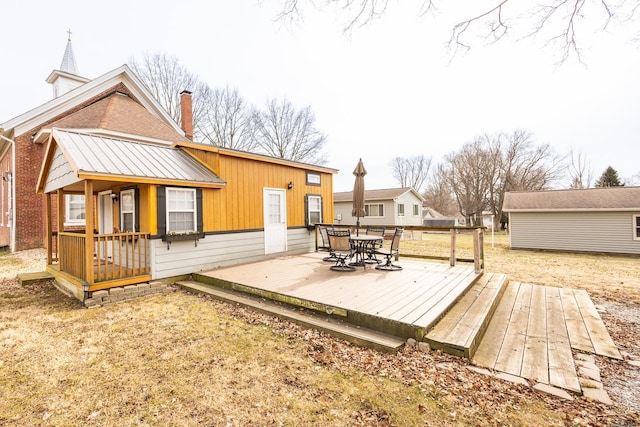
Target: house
{"type": "Point", "coordinates": [116, 102]}
{"type": "Point", "coordinates": [125, 197]}
{"type": "Point", "coordinates": [586, 220]}
{"type": "Point", "coordinates": [390, 207]}
{"type": "Point", "coordinates": [433, 218]}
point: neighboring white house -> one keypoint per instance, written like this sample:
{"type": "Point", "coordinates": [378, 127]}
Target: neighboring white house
{"type": "Point", "coordinates": [588, 220]}
{"type": "Point", "coordinates": [392, 206]}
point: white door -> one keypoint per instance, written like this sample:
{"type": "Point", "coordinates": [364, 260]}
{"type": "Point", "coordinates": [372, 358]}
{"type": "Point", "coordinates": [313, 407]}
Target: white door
{"type": "Point", "coordinates": [275, 220]}
{"type": "Point", "coordinates": [105, 219]}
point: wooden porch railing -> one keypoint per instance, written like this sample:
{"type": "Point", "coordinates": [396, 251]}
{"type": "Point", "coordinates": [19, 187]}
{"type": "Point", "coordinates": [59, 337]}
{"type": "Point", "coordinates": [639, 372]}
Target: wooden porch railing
{"type": "Point", "coordinates": [116, 256]}
{"type": "Point", "coordinates": [478, 242]}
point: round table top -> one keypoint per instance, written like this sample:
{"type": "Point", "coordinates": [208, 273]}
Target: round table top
{"type": "Point", "coordinates": [365, 237]}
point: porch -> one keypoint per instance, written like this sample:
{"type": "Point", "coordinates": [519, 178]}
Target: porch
{"type": "Point", "coordinates": [116, 259]}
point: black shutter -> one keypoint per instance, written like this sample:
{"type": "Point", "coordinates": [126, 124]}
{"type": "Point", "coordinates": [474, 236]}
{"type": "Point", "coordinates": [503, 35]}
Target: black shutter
{"type": "Point", "coordinates": [161, 210]}
{"type": "Point", "coordinates": [321, 210]}
{"type": "Point", "coordinates": [199, 210]}
{"type": "Point", "coordinates": [306, 210]}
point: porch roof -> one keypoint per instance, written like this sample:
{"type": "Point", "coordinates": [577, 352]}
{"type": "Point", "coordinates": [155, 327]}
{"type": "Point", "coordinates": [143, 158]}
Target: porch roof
{"type": "Point", "coordinates": [104, 158]}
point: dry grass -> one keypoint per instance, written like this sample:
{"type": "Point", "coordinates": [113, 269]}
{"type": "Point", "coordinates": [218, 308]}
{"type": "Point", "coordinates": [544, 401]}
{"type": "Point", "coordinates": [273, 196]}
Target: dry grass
{"type": "Point", "coordinates": [178, 359]}
{"type": "Point", "coordinates": [613, 278]}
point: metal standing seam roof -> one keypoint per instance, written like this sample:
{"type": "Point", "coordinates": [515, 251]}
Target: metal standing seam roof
{"type": "Point", "coordinates": [610, 198]}
{"type": "Point", "coordinates": [100, 155]}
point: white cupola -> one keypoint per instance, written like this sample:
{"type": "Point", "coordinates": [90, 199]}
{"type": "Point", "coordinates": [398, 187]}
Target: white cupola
{"type": "Point", "coordinates": [66, 78]}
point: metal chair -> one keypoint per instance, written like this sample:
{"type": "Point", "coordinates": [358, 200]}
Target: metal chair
{"type": "Point", "coordinates": [341, 247]}
{"type": "Point", "coordinates": [326, 246]}
{"type": "Point", "coordinates": [373, 230]}
{"type": "Point", "coordinates": [391, 252]}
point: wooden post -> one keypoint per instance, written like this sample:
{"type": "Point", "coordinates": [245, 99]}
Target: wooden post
{"type": "Point", "coordinates": [88, 231]}
{"type": "Point", "coordinates": [478, 250]}
{"type": "Point", "coordinates": [452, 255]}
{"type": "Point", "coordinates": [48, 228]}
{"type": "Point", "coordinates": [60, 221]}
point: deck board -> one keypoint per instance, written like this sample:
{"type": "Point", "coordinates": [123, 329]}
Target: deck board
{"type": "Point", "coordinates": [442, 331]}
{"type": "Point", "coordinates": [562, 370]}
{"type": "Point", "coordinates": [489, 349]}
{"type": "Point", "coordinates": [510, 357]}
{"type": "Point", "coordinates": [468, 327]}
{"type": "Point", "coordinates": [535, 361]}
{"type": "Point", "coordinates": [578, 334]}
{"type": "Point", "coordinates": [600, 338]}
{"type": "Point", "coordinates": [442, 301]}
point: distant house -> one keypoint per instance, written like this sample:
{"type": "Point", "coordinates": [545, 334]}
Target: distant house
{"type": "Point", "coordinates": [392, 206]}
{"type": "Point", "coordinates": [433, 218]}
{"type": "Point", "coordinates": [589, 220]}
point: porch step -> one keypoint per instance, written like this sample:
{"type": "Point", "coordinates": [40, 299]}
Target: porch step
{"type": "Point", "coordinates": [29, 278]}
{"type": "Point", "coordinates": [462, 328]}
{"type": "Point", "coordinates": [331, 325]}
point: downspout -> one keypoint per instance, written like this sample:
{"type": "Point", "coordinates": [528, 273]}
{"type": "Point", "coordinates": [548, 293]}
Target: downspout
{"type": "Point", "coordinates": [12, 232]}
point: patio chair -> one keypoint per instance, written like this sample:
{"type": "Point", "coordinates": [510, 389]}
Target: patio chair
{"type": "Point", "coordinates": [325, 246]}
{"type": "Point", "coordinates": [373, 230]}
{"type": "Point", "coordinates": [340, 243]}
{"type": "Point", "coordinates": [391, 252]}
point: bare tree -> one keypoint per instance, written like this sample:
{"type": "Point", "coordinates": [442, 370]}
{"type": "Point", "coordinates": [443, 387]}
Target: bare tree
{"type": "Point", "coordinates": [411, 171]}
{"type": "Point", "coordinates": [558, 20]}
{"type": "Point", "coordinates": [226, 120]}
{"type": "Point", "coordinates": [282, 131]}
{"type": "Point", "coordinates": [485, 169]}
{"type": "Point", "coordinates": [165, 77]}
{"type": "Point", "coordinates": [468, 180]}
{"type": "Point", "coordinates": [580, 171]}
{"type": "Point", "coordinates": [439, 194]}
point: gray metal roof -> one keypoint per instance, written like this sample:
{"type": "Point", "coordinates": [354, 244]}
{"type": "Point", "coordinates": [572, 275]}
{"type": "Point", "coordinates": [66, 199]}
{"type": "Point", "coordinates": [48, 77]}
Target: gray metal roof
{"type": "Point", "coordinates": [113, 158]}
{"type": "Point", "coordinates": [610, 198]}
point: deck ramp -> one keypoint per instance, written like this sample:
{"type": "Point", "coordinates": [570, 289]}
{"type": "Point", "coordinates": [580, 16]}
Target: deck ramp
{"type": "Point", "coordinates": [534, 330]}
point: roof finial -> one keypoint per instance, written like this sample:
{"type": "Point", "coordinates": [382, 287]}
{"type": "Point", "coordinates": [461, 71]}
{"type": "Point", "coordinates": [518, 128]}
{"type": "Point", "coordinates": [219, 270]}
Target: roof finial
{"type": "Point", "coordinates": [69, 32]}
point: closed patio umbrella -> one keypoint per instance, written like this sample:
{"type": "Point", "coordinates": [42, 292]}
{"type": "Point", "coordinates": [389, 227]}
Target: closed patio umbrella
{"type": "Point", "coordinates": [358, 194]}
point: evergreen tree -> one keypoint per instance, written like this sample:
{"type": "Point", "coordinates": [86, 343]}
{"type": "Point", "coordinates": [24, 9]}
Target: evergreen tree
{"type": "Point", "coordinates": [609, 178]}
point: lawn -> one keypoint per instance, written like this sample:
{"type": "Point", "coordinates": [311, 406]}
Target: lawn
{"type": "Point", "coordinates": [180, 359]}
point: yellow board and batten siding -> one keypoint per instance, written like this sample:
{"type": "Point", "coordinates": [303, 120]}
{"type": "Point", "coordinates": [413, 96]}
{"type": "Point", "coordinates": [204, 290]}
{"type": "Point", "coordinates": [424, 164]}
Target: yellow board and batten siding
{"type": "Point", "coordinates": [239, 205]}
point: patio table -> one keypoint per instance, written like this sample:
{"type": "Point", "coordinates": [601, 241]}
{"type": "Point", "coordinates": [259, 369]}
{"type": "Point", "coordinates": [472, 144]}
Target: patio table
{"type": "Point", "coordinates": [361, 245]}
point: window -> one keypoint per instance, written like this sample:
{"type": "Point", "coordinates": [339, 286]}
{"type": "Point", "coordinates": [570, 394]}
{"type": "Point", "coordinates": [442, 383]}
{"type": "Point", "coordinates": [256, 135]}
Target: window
{"type": "Point", "coordinates": [74, 213]}
{"type": "Point", "coordinates": [128, 210]}
{"type": "Point", "coordinates": [416, 210]}
{"type": "Point", "coordinates": [313, 178]}
{"type": "Point", "coordinates": [636, 227]}
{"type": "Point", "coordinates": [400, 209]}
{"type": "Point", "coordinates": [375, 210]}
{"type": "Point", "coordinates": [314, 209]}
{"type": "Point", "coordinates": [181, 210]}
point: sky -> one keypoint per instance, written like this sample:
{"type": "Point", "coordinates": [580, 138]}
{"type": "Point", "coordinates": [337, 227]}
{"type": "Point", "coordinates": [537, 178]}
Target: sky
{"type": "Point", "coordinates": [388, 89]}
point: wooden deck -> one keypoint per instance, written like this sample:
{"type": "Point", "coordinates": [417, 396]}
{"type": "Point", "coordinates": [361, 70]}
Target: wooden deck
{"type": "Point", "coordinates": [404, 303]}
{"type": "Point", "coordinates": [525, 330]}
{"type": "Point", "coordinates": [534, 329]}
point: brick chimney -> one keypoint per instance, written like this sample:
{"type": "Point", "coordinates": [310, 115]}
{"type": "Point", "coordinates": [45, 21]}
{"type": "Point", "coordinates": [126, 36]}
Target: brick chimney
{"type": "Point", "coordinates": [186, 113]}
